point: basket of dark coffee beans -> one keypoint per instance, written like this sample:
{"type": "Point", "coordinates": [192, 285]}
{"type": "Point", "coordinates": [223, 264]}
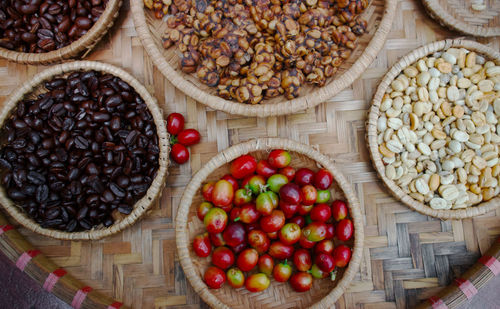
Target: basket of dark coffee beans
{"type": "Point", "coordinates": [84, 151]}
{"type": "Point", "coordinates": [47, 31]}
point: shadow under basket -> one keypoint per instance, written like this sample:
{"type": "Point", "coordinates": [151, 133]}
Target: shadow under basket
{"type": "Point", "coordinates": [36, 86]}
{"type": "Point", "coordinates": [324, 292]}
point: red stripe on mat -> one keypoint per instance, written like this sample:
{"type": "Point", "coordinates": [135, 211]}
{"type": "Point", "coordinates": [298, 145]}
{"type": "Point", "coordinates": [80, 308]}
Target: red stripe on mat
{"type": "Point", "coordinates": [466, 287]}
{"type": "Point", "coordinates": [80, 296]}
{"type": "Point", "coordinates": [5, 228]}
{"type": "Point", "coordinates": [25, 258]}
{"type": "Point", "coordinates": [437, 303]}
{"type": "Point", "coordinates": [52, 279]}
{"type": "Point", "coordinates": [492, 263]}
{"type": "Point", "coordinates": [115, 305]}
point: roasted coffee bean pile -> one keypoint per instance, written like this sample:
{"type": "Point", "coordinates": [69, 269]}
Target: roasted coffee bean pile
{"type": "Point", "coordinates": [83, 149]}
{"type": "Point", "coordinates": [252, 50]}
{"type": "Point", "coordinates": [39, 26]}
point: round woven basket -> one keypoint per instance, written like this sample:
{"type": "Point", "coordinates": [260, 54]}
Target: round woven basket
{"type": "Point", "coordinates": [324, 293]}
{"type": "Point", "coordinates": [478, 275]}
{"type": "Point", "coordinates": [81, 46]}
{"type": "Point", "coordinates": [35, 86]}
{"type": "Point", "coordinates": [458, 15]}
{"type": "Point", "coordinates": [371, 128]}
{"type": "Point", "coordinates": [379, 16]}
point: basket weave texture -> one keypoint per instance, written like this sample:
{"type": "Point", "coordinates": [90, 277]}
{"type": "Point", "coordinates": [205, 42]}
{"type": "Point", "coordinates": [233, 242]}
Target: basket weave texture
{"type": "Point", "coordinates": [324, 293]}
{"type": "Point", "coordinates": [459, 16]}
{"type": "Point", "coordinates": [34, 86]}
{"type": "Point", "coordinates": [371, 126]}
{"type": "Point", "coordinates": [379, 16]}
{"type": "Point", "coordinates": [82, 46]}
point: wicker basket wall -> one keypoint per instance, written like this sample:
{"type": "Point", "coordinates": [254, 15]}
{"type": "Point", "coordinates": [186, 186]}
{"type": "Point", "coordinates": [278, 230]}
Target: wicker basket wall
{"type": "Point", "coordinates": [50, 276]}
{"type": "Point", "coordinates": [458, 15]}
{"type": "Point", "coordinates": [477, 276]}
{"type": "Point", "coordinates": [35, 86]}
{"type": "Point", "coordinates": [82, 46]}
{"type": "Point", "coordinates": [379, 16]}
{"type": "Point", "coordinates": [324, 293]}
{"type": "Point", "coordinates": [373, 115]}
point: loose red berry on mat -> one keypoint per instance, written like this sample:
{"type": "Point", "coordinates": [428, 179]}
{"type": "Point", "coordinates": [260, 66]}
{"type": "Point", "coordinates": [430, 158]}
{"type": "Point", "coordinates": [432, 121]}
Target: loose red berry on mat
{"type": "Point", "coordinates": [189, 137]}
{"type": "Point", "coordinates": [179, 153]}
{"type": "Point", "coordinates": [175, 123]}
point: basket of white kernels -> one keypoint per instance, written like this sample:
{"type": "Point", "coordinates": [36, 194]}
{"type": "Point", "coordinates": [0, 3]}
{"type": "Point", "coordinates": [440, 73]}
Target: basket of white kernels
{"type": "Point", "coordinates": [437, 124]}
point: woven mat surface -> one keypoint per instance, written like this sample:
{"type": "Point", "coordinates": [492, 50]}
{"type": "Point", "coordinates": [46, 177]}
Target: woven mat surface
{"type": "Point", "coordinates": [408, 257]}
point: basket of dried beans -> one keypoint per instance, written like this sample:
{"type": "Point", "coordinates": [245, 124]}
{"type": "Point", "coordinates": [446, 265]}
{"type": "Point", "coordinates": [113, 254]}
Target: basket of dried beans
{"type": "Point", "coordinates": [261, 58]}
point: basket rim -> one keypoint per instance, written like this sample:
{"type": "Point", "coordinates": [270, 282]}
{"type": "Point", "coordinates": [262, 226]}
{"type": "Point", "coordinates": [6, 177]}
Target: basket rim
{"type": "Point", "coordinates": [436, 11]}
{"type": "Point", "coordinates": [155, 189]}
{"type": "Point", "coordinates": [86, 42]}
{"type": "Point", "coordinates": [232, 153]}
{"type": "Point", "coordinates": [371, 130]}
{"type": "Point", "coordinates": [283, 107]}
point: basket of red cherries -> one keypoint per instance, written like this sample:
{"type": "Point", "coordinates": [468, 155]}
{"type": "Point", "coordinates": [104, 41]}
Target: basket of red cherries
{"type": "Point", "coordinates": [272, 216]}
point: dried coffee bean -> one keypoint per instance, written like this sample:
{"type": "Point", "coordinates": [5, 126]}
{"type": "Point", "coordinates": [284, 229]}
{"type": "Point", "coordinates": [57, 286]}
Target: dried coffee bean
{"type": "Point", "coordinates": [72, 158]}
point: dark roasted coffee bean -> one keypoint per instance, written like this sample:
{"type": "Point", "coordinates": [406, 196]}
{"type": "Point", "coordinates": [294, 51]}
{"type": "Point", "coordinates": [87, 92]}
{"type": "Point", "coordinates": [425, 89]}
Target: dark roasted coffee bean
{"type": "Point", "coordinates": [68, 152]}
{"type": "Point", "coordinates": [42, 193]}
{"type": "Point", "coordinates": [82, 213]}
{"type": "Point", "coordinates": [52, 213]}
{"type": "Point", "coordinates": [71, 227]}
{"type": "Point", "coordinates": [81, 142]}
{"type": "Point", "coordinates": [51, 223]}
{"type": "Point", "coordinates": [5, 164]}
{"type": "Point", "coordinates": [36, 178]}
{"type": "Point", "coordinates": [125, 209]}
{"type": "Point", "coordinates": [119, 192]}
{"type": "Point", "coordinates": [85, 224]}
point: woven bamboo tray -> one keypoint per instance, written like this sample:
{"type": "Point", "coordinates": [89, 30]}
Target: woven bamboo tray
{"type": "Point", "coordinates": [324, 293]}
{"type": "Point", "coordinates": [82, 46]}
{"type": "Point", "coordinates": [379, 16]}
{"type": "Point", "coordinates": [374, 113]}
{"type": "Point", "coordinates": [458, 15]}
{"type": "Point", "coordinates": [34, 87]}
{"type": "Point", "coordinates": [407, 257]}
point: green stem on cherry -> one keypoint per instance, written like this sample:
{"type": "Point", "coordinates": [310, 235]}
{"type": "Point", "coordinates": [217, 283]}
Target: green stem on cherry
{"type": "Point", "coordinates": [333, 275]}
